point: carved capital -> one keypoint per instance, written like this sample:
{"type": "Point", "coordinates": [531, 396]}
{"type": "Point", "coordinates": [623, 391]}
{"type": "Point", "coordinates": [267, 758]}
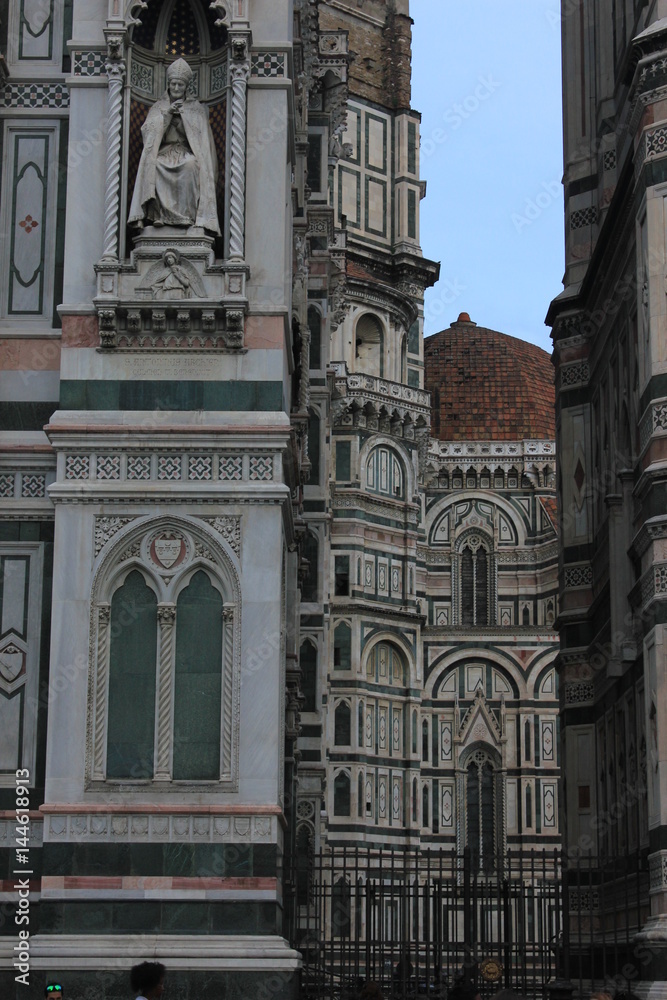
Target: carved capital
{"type": "Point", "coordinates": [166, 615]}
{"type": "Point", "coordinates": [104, 614]}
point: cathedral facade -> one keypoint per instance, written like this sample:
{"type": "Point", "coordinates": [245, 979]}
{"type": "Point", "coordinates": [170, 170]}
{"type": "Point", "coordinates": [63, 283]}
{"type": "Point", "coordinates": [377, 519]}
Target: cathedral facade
{"type": "Point", "coordinates": [610, 357]}
{"type": "Point", "coordinates": [272, 579]}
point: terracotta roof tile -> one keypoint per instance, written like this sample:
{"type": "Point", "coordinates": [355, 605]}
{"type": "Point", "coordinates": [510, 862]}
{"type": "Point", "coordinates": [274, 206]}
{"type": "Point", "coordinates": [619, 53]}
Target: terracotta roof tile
{"type": "Point", "coordinates": [487, 386]}
{"type": "Point", "coordinates": [550, 505]}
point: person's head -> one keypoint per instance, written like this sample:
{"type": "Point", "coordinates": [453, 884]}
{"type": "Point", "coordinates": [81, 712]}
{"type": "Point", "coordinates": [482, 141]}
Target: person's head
{"type": "Point", "coordinates": [148, 979]}
{"type": "Point", "coordinates": [53, 991]}
{"type": "Point", "coordinates": [179, 75]}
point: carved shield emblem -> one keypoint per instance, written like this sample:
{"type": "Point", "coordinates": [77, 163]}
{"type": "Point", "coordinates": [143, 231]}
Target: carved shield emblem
{"type": "Point", "coordinates": [168, 550]}
{"type": "Point", "coordinates": [12, 660]}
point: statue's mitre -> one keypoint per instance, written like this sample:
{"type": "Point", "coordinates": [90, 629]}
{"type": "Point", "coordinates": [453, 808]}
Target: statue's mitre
{"type": "Point", "coordinates": [179, 70]}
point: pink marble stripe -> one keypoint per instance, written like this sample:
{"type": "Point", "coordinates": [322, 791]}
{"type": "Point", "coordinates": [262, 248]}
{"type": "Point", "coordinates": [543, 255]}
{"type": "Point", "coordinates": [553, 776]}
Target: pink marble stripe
{"type": "Point", "coordinates": [149, 882]}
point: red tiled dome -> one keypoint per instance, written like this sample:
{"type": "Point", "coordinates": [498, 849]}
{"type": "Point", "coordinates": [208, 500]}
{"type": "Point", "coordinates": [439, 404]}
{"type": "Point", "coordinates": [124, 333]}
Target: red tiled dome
{"type": "Point", "coordinates": [486, 386]}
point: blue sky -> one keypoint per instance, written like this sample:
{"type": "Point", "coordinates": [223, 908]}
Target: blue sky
{"type": "Point", "coordinates": [486, 78]}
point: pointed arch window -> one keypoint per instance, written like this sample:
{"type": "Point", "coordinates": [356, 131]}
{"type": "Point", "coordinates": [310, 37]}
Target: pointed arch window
{"type": "Point", "coordinates": [384, 473]}
{"type": "Point", "coordinates": [342, 725]}
{"type": "Point", "coordinates": [197, 681]}
{"type": "Point", "coordinates": [132, 680]}
{"type": "Point", "coordinates": [341, 794]}
{"type": "Point", "coordinates": [166, 655]}
{"type": "Point", "coordinates": [481, 805]}
{"type": "Point", "coordinates": [476, 581]}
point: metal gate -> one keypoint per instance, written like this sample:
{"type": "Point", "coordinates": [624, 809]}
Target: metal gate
{"type": "Point", "coordinates": [415, 922]}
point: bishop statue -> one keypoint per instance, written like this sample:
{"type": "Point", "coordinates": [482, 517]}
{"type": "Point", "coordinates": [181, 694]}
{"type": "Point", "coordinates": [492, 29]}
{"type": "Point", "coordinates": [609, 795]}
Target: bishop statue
{"type": "Point", "coordinates": [177, 173]}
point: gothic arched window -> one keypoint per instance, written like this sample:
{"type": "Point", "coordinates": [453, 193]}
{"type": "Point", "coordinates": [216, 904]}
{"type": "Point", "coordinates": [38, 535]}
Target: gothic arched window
{"type": "Point", "coordinates": [476, 582]}
{"type": "Point", "coordinates": [384, 473]}
{"type": "Point", "coordinates": [197, 681]}
{"type": "Point", "coordinates": [369, 341]}
{"type": "Point", "coordinates": [481, 811]}
{"type": "Point", "coordinates": [165, 634]}
{"type": "Point", "coordinates": [341, 794]}
{"type": "Point", "coordinates": [132, 672]}
{"type": "Point", "coordinates": [342, 725]}
{"type": "Point", "coordinates": [308, 664]}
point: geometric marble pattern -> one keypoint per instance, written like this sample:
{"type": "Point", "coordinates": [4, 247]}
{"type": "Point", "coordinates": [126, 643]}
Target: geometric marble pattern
{"type": "Point", "coordinates": [88, 63]}
{"type": "Point", "coordinates": [269, 64]}
{"type": "Point", "coordinates": [35, 95]}
{"type": "Point", "coordinates": [199, 468]}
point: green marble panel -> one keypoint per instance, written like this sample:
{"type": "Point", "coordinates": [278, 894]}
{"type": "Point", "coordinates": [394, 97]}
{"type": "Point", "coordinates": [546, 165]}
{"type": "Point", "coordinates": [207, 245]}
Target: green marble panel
{"type": "Point", "coordinates": [198, 681]}
{"type": "Point", "coordinates": [132, 671]}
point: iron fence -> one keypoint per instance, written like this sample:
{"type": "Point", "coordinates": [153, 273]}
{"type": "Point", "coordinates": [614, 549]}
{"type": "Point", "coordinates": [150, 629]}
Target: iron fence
{"type": "Point", "coordinates": [416, 921]}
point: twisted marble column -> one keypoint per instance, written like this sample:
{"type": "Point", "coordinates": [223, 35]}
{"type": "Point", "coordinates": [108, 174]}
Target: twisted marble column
{"type": "Point", "coordinates": [240, 73]}
{"type": "Point", "coordinates": [115, 68]}
{"type": "Point", "coordinates": [101, 676]}
{"type": "Point", "coordinates": [227, 686]}
{"type": "Point", "coordinates": [166, 616]}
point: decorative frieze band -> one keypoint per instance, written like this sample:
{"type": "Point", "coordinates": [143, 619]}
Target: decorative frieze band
{"type": "Point", "coordinates": [577, 576]}
{"type": "Point", "coordinates": [35, 95]}
{"type": "Point", "coordinates": [653, 422]}
{"type": "Point", "coordinates": [8, 832]}
{"type": "Point", "coordinates": [160, 826]}
{"type": "Point", "coordinates": [574, 374]}
{"type": "Point", "coordinates": [657, 868]}
{"type": "Point", "coordinates": [26, 485]}
{"type": "Point", "coordinates": [654, 583]}
{"type": "Point", "coordinates": [578, 692]}
{"type": "Point", "coordinates": [582, 900]}
{"type": "Point", "coordinates": [483, 450]}
{"type": "Point", "coordinates": [583, 217]}
{"type": "Point", "coordinates": [656, 142]}
{"type": "Point", "coordinates": [189, 467]}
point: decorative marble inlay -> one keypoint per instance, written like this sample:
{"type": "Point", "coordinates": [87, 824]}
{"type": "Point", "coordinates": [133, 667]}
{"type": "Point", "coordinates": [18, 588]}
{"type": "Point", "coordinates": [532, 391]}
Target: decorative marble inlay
{"type": "Point", "coordinates": [77, 467]}
{"type": "Point", "coordinates": [271, 64]}
{"type": "Point", "coordinates": [139, 467]}
{"type": "Point", "coordinates": [88, 63]}
{"type": "Point", "coordinates": [578, 692]}
{"type": "Point", "coordinates": [169, 467]}
{"type": "Point", "coordinates": [35, 95]}
{"type": "Point", "coordinates": [584, 900]}
{"type": "Point", "coordinates": [261, 467]}
{"type": "Point", "coordinates": [231, 467]}
{"type": "Point", "coordinates": [6, 485]}
{"type": "Point", "coordinates": [575, 374]}
{"type": "Point", "coordinates": [218, 77]}
{"type": "Point", "coordinates": [200, 467]}
{"type": "Point", "coordinates": [578, 576]}
{"type": "Point", "coordinates": [142, 77]}
{"type": "Point", "coordinates": [609, 160]}
{"type": "Point", "coordinates": [656, 142]}
{"type": "Point", "coordinates": [33, 485]}
{"type": "Point", "coordinates": [583, 217]}
{"type": "Point", "coordinates": [108, 467]}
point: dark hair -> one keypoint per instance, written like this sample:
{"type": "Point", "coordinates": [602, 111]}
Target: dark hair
{"type": "Point", "coordinates": [146, 976]}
